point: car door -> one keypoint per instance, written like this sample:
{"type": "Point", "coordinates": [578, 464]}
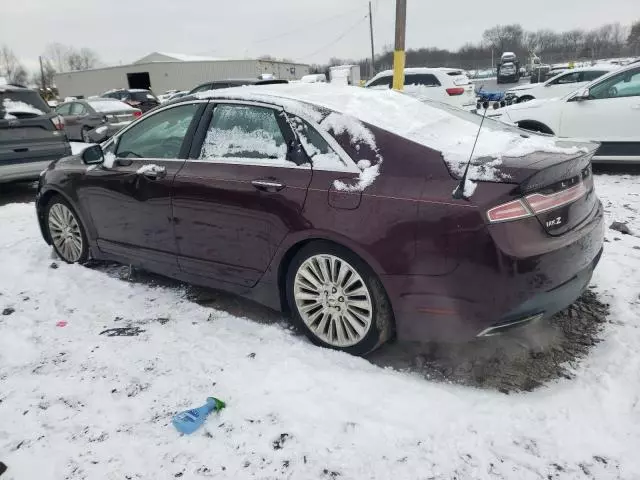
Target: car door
{"type": "Point", "coordinates": [73, 121]}
{"type": "Point", "coordinates": [129, 195]}
{"type": "Point", "coordinates": [238, 196]}
{"type": "Point", "coordinates": [610, 114]}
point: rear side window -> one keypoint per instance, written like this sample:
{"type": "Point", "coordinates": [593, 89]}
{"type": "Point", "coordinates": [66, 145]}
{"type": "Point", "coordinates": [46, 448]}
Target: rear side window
{"type": "Point", "coordinates": [322, 156]}
{"type": "Point", "coordinates": [424, 79]}
{"type": "Point", "coordinates": [381, 82]}
{"type": "Point", "coordinates": [244, 132]}
{"type": "Point", "coordinates": [592, 75]}
{"type": "Point", "coordinates": [22, 104]}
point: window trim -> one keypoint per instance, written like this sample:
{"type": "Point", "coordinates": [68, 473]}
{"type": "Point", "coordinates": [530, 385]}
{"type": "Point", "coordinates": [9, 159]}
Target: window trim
{"type": "Point", "coordinates": [116, 138]}
{"type": "Point", "coordinates": [349, 165]}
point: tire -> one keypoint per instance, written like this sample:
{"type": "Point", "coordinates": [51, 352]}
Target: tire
{"type": "Point", "coordinates": [526, 98]}
{"type": "Point", "coordinates": [84, 134]}
{"type": "Point", "coordinates": [320, 307]}
{"type": "Point", "coordinates": [66, 231]}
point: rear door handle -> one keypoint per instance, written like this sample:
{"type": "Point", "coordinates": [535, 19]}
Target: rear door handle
{"type": "Point", "coordinates": [268, 185]}
{"type": "Point", "coordinates": [21, 150]}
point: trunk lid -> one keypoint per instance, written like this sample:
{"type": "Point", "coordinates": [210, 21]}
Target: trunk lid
{"type": "Point", "coordinates": [30, 139]}
{"type": "Point", "coordinates": [557, 188]}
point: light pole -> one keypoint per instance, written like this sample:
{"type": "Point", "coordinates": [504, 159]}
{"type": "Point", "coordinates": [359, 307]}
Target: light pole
{"type": "Point", "coordinates": [399, 55]}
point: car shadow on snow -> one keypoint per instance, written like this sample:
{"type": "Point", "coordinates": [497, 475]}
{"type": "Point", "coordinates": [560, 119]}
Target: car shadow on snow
{"type": "Point", "coordinates": [520, 360]}
{"type": "Point", "coordinates": [21, 192]}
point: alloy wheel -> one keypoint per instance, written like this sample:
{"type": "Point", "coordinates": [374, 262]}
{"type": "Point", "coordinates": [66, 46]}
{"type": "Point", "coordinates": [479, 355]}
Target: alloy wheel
{"type": "Point", "coordinates": [333, 300]}
{"type": "Point", "coordinates": [65, 232]}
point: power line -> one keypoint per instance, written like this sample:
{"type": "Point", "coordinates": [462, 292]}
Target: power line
{"type": "Point", "coordinates": [342, 35]}
{"type": "Point", "coordinates": [306, 27]}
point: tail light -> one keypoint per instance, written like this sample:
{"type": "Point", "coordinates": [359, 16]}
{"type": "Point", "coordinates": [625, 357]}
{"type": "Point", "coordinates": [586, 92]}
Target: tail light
{"type": "Point", "coordinates": [535, 204]}
{"type": "Point", "coordinates": [508, 211]}
{"type": "Point", "coordinates": [540, 203]}
{"type": "Point", "coordinates": [455, 91]}
{"type": "Point", "coordinates": [58, 122]}
{"type": "Point", "coordinates": [137, 114]}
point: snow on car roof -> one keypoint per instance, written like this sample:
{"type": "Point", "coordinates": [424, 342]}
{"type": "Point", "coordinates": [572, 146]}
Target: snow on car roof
{"type": "Point", "coordinates": [412, 70]}
{"type": "Point", "coordinates": [418, 121]}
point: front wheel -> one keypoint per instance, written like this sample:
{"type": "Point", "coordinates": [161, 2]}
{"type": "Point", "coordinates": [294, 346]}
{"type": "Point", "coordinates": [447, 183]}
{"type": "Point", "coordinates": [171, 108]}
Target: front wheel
{"type": "Point", "coordinates": [337, 299]}
{"type": "Point", "coordinates": [66, 231]}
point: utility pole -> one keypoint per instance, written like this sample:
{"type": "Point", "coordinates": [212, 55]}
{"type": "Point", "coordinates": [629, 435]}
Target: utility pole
{"type": "Point", "coordinates": [373, 55]}
{"type": "Point", "coordinates": [399, 55]}
{"type": "Point", "coordinates": [42, 75]}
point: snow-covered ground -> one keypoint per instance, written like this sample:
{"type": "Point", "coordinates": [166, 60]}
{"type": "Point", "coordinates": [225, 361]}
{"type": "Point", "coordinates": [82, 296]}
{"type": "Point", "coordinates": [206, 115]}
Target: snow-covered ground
{"type": "Point", "coordinates": [76, 404]}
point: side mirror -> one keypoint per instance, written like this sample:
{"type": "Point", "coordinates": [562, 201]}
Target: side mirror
{"type": "Point", "coordinates": [296, 153]}
{"type": "Point", "coordinates": [93, 155]}
{"type": "Point", "coordinates": [99, 135]}
{"type": "Point", "coordinates": [581, 95]}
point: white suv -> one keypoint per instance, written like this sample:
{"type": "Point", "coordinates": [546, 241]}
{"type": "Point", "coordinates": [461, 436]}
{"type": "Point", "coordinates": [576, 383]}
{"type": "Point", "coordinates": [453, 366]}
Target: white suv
{"type": "Point", "coordinates": [606, 110]}
{"type": "Point", "coordinates": [562, 84]}
{"type": "Point", "coordinates": [446, 85]}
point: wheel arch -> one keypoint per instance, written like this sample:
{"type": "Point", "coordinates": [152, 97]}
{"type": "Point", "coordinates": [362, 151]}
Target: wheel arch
{"type": "Point", "coordinates": [535, 126]}
{"type": "Point", "coordinates": [44, 198]}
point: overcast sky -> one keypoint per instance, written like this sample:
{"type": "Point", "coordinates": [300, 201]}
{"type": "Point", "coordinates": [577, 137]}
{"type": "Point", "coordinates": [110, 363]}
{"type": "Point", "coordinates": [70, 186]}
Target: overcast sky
{"type": "Point", "coordinates": [304, 30]}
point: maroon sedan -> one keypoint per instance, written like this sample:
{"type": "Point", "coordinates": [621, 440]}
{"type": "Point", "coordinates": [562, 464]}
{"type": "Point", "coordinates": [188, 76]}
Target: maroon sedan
{"type": "Point", "coordinates": [337, 205]}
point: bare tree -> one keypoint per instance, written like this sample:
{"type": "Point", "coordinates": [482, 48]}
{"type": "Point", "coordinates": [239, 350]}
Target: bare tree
{"type": "Point", "coordinates": [65, 58]}
{"type": "Point", "coordinates": [57, 55]}
{"type": "Point", "coordinates": [504, 37]}
{"type": "Point", "coordinates": [634, 37]}
{"type": "Point", "coordinates": [11, 68]}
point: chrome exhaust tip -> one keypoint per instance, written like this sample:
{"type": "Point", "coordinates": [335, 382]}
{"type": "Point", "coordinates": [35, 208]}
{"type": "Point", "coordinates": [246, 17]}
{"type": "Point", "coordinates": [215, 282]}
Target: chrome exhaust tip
{"type": "Point", "coordinates": [503, 327]}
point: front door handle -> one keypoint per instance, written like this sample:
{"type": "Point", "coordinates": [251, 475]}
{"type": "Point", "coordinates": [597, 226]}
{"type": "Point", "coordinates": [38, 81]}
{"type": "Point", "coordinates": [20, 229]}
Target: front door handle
{"type": "Point", "coordinates": [153, 172]}
{"type": "Point", "coordinates": [268, 185]}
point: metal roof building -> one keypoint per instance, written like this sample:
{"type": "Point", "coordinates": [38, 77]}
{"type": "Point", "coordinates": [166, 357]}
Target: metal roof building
{"type": "Point", "coordinates": [165, 71]}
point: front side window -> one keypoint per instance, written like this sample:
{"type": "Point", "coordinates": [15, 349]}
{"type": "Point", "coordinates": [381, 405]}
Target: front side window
{"type": "Point", "coordinates": [625, 84]}
{"type": "Point", "coordinates": [381, 82]}
{"type": "Point", "coordinates": [64, 109]}
{"type": "Point", "coordinates": [573, 77]}
{"type": "Point", "coordinates": [77, 109]}
{"type": "Point", "coordinates": [158, 136]}
{"type": "Point", "coordinates": [244, 132]}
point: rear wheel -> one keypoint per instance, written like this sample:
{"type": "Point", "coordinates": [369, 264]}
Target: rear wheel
{"type": "Point", "coordinates": [85, 135]}
{"type": "Point", "coordinates": [337, 299]}
{"type": "Point", "coordinates": [66, 231]}
{"type": "Point", "coordinates": [526, 98]}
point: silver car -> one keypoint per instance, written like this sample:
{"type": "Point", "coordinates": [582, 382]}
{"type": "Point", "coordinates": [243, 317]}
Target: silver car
{"type": "Point", "coordinates": [83, 116]}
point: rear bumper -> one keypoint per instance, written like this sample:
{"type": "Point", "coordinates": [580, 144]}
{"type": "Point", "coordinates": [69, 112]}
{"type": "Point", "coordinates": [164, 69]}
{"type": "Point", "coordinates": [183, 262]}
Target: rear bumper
{"type": "Point", "coordinates": [493, 288]}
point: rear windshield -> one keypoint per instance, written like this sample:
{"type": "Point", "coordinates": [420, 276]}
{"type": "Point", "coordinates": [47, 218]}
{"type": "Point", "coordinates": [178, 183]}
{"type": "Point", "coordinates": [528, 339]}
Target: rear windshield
{"type": "Point", "coordinates": [144, 96]}
{"type": "Point", "coordinates": [104, 106]}
{"type": "Point", "coordinates": [22, 104]}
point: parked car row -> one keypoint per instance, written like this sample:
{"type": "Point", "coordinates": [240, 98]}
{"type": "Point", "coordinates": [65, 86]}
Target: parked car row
{"type": "Point", "coordinates": [606, 110]}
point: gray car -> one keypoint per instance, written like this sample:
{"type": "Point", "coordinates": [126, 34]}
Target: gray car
{"type": "Point", "coordinates": [31, 135]}
{"type": "Point", "coordinates": [83, 116]}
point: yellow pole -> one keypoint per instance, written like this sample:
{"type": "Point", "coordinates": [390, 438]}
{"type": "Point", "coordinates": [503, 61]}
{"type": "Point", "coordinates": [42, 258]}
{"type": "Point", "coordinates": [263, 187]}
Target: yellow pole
{"type": "Point", "coordinates": [399, 55]}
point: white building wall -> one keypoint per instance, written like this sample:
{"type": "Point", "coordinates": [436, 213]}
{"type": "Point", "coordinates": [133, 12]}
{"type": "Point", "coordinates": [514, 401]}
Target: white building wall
{"type": "Point", "coordinates": [171, 75]}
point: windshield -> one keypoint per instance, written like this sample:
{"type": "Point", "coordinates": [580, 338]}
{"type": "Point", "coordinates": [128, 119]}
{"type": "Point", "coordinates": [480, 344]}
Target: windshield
{"type": "Point", "coordinates": [22, 104]}
{"type": "Point", "coordinates": [104, 106]}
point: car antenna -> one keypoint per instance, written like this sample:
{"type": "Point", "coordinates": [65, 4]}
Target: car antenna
{"type": "Point", "coordinates": [458, 193]}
